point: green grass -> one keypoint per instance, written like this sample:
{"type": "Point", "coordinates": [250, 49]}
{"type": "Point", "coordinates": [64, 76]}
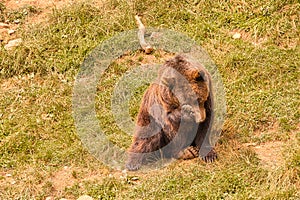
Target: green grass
{"type": "Point", "coordinates": [260, 72]}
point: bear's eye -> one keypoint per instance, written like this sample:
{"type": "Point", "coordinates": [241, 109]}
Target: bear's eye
{"type": "Point", "coordinates": [200, 77]}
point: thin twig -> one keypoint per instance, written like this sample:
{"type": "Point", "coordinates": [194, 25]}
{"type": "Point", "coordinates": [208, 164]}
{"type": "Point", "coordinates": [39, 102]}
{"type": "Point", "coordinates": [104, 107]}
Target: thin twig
{"type": "Point", "coordinates": [141, 35]}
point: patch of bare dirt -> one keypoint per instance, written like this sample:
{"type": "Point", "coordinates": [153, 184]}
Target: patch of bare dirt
{"type": "Point", "coordinates": [43, 5]}
{"type": "Point", "coordinates": [146, 59]}
{"type": "Point", "coordinates": [68, 176]}
{"type": "Point", "coordinates": [62, 179]}
{"type": "Point", "coordinates": [44, 8]}
{"type": "Point", "coordinates": [270, 153]}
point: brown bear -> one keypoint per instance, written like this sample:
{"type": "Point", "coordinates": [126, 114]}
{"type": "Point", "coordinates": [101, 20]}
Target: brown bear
{"type": "Point", "coordinates": [175, 115]}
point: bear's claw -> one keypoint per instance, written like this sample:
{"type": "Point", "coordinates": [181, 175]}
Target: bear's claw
{"type": "Point", "coordinates": [211, 156]}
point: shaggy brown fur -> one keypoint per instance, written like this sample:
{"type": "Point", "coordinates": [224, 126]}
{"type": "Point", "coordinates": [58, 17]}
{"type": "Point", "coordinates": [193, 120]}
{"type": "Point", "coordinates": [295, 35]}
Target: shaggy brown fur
{"type": "Point", "coordinates": [175, 115]}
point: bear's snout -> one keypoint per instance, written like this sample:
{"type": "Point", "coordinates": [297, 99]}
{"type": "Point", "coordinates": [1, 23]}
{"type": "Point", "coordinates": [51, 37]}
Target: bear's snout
{"type": "Point", "coordinates": [198, 115]}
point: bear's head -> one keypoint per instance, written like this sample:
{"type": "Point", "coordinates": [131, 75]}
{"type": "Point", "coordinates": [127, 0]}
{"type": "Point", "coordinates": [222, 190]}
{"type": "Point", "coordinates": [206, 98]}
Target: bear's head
{"type": "Point", "coordinates": [189, 83]}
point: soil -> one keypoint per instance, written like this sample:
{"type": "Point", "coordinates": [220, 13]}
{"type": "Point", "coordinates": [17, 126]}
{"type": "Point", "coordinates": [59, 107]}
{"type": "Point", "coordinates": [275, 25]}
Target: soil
{"type": "Point", "coordinates": [43, 8]}
{"type": "Point", "coordinates": [269, 153]}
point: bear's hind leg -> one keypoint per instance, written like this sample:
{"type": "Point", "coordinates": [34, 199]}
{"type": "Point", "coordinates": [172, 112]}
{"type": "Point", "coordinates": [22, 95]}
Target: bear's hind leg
{"type": "Point", "coordinates": [141, 150]}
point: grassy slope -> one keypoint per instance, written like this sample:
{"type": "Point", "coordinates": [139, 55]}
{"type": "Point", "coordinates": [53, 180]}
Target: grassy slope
{"type": "Point", "coordinates": [260, 72]}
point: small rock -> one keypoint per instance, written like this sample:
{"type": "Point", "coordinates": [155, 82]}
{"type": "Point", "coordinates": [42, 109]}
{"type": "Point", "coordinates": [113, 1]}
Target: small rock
{"type": "Point", "coordinates": [11, 31]}
{"type": "Point", "coordinates": [13, 182]}
{"type": "Point", "coordinates": [135, 178]}
{"type": "Point", "coordinates": [252, 144]}
{"type": "Point", "coordinates": [236, 36]}
{"type": "Point", "coordinates": [3, 25]}
{"type": "Point", "coordinates": [8, 175]}
{"type": "Point", "coordinates": [13, 43]}
{"type": "Point", "coordinates": [49, 198]}
{"type": "Point", "coordinates": [85, 197]}
{"type": "Point", "coordinates": [17, 21]}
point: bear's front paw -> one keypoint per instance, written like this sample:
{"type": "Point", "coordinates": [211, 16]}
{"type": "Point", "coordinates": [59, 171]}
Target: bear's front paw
{"type": "Point", "coordinates": [188, 153]}
{"type": "Point", "coordinates": [133, 166]}
{"type": "Point", "coordinates": [211, 156]}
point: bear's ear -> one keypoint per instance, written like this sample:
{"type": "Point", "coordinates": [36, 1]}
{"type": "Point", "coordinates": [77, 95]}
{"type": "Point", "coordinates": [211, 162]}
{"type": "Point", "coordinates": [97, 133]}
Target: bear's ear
{"type": "Point", "coordinates": [178, 63]}
{"type": "Point", "coordinates": [200, 76]}
{"type": "Point", "coordinates": [179, 59]}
